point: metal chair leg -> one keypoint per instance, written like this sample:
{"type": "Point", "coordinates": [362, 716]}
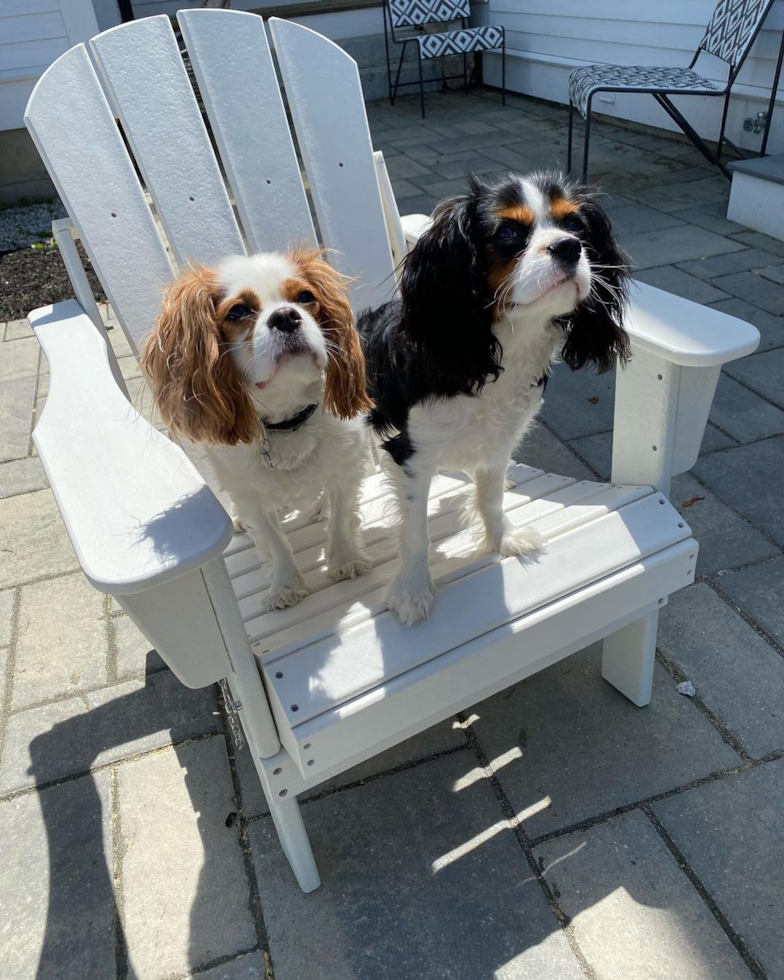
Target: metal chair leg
{"type": "Point", "coordinates": [569, 133]}
{"type": "Point", "coordinates": [393, 93]}
{"type": "Point", "coordinates": [465, 73]}
{"type": "Point", "coordinates": [503, 72]}
{"type": "Point", "coordinates": [587, 140]}
{"type": "Point", "coordinates": [386, 48]}
{"type": "Point", "coordinates": [723, 123]}
{"type": "Point", "coordinates": [772, 103]}
{"type": "Point", "coordinates": [421, 87]}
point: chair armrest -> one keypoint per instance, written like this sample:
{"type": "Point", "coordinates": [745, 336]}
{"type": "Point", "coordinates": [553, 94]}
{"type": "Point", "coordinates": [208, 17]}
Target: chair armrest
{"type": "Point", "coordinates": [413, 226]}
{"type": "Point", "coordinates": [684, 332]}
{"type": "Point", "coordinates": [136, 509]}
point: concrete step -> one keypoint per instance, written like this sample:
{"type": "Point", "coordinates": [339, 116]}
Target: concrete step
{"type": "Point", "coordinates": [757, 194]}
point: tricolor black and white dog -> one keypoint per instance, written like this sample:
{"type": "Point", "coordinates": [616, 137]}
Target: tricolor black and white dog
{"type": "Point", "coordinates": [508, 278]}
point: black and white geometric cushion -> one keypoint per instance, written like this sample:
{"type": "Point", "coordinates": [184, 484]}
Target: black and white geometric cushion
{"type": "Point", "coordinates": [460, 42]}
{"type": "Point", "coordinates": [732, 27]}
{"type": "Point", "coordinates": [417, 13]}
{"type": "Point", "coordinates": [583, 82]}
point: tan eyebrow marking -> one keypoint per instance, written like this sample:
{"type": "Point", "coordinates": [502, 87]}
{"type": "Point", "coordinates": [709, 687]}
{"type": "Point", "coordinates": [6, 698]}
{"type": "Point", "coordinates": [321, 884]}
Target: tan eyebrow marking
{"type": "Point", "coordinates": [518, 212]}
{"type": "Point", "coordinates": [561, 207]}
{"type": "Point", "coordinates": [238, 328]}
{"type": "Point", "coordinates": [291, 289]}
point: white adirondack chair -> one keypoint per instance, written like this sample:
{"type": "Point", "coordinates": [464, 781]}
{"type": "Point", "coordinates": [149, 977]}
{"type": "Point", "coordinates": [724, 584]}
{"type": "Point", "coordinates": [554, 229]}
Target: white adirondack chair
{"type": "Point", "coordinates": [334, 680]}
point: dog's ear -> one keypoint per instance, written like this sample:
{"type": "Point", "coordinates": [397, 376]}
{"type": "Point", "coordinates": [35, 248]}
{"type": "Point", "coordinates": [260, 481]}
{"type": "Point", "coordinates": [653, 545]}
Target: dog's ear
{"type": "Point", "coordinates": [187, 361]}
{"type": "Point", "coordinates": [595, 330]}
{"type": "Point", "coordinates": [345, 393]}
{"type": "Point", "coordinates": [447, 309]}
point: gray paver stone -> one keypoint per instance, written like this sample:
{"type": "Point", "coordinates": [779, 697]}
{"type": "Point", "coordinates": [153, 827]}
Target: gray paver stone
{"type": "Point", "coordinates": [403, 166]}
{"type": "Point", "coordinates": [20, 360]}
{"type": "Point", "coordinates": [33, 539]}
{"type": "Point", "coordinates": [21, 476]}
{"type": "Point", "coordinates": [633, 911]}
{"type": "Point", "coordinates": [730, 833]}
{"type": "Point", "coordinates": [6, 611]}
{"type": "Point", "coordinates": [248, 967]}
{"type": "Point", "coordinates": [185, 892]}
{"type": "Point", "coordinates": [725, 265]}
{"type": "Point", "coordinates": [546, 733]}
{"type": "Point", "coordinates": [637, 219]}
{"type": "Point", "coordinates": [713, 217]}
{"type": "Point", "coordinates": [763, 373]}
{"type": "Point", "coordinates": [754, 289]}
{"type": "Point", "coordinates": [67, 738]}
{"type": "Point", "coordinates": [17, 397]}
{"type": "Point", "coordinates": [439, 738]}
{"type": "Point", "coordinates": [579, 403]}
{"type": "Point", "coordinates": [756, 239]}
{"type": "Point", "coordinates": [749, 478]}
{"type": "Point", "coordinates": [134, 653]}
{"type": "Point", "coordinates": [55, 889]}
{"type": "Point", "coordinates": [773, 272]}
{"type": "Point", "coordinates": [744, 415]}
{"type": "Point", "coordinates": [61, 647]}
{"type": "Point", "coordinates": [736, 673]}
{"type": "Point", "coordinates": [758, 591]}
{"type": "Point", "coordinates": [675, 245]}
{"type": "Point", "coordinates": [421, 877]}
{"type": "Point", "coordinates": [675, 280]}
{"type": "Point", "coordinates": [18, 329]}
{"type": "Point", "coordinates": [541, 448]}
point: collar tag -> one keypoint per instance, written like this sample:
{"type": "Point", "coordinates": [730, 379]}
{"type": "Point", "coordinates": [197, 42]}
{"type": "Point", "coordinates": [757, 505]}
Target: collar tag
{"type": "Point", "coordinates": [264, 450]}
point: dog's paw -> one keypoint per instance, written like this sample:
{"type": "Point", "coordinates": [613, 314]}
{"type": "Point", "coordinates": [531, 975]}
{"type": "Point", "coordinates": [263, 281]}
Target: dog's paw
{"type": "Point", "coordinates": [412, 604]}
{"type": "Point", "coordinates": [517, 541]}
{"type": "Point", "coordinates": [349, 567]}
{"type": "Point", "coordinates": [286, 595]}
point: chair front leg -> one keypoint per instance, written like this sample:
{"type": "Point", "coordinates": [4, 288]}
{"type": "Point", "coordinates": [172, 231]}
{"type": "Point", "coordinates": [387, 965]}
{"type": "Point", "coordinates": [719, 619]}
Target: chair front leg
{"type": "Point", "coordinates": [569, 133]}
{"type": "Point", "coordinates": [587, 139]}
{"type": "Point", "coordinates": [393, 93]}
{"type": "Point", "coordinates": [503, 71]}
{"type": "Point", "coordinates": [422, 86]}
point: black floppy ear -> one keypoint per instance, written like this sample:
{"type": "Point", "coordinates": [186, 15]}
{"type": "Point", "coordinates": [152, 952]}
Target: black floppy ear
{"type": "Point", "coordinates": [447, 310]}
{"type": "Point", "coordinates": [595, 330]}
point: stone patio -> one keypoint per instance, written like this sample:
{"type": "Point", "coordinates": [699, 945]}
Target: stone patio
{"type": "Point", "coordinates": [551, 833]}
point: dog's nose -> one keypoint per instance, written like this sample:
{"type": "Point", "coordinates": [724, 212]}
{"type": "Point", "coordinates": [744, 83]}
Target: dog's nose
{"type": "Point", "coordinates": [286, 319]}
{"type": "Point", "coordinates": [567, 250]}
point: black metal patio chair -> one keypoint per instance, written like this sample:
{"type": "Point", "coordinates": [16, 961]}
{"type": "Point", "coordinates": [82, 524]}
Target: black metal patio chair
{"type": "Point", "coordinates": [732, 30]}
{"type": "Point", "coordinates": [416, 15]}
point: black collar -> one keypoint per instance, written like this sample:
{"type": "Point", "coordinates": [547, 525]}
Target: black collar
{"type": "Point", "coordinates": [292, 424]}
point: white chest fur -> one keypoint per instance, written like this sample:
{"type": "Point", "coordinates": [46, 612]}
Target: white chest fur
{"type": "Point", "coordinates": [463, 432]}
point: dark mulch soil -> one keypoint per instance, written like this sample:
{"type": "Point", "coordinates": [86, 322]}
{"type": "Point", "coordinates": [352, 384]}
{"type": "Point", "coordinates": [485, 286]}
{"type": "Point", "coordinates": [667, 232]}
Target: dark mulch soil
{"type": "Point", "coordinates": [32, 277]}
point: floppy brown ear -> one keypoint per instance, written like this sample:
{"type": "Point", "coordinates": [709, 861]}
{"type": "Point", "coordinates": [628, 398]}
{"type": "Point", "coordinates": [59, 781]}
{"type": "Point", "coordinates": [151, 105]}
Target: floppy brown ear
{"type": "Point", "coordinates": [196, 386]}
{"type": "Point", "coordinates": [345, 395]}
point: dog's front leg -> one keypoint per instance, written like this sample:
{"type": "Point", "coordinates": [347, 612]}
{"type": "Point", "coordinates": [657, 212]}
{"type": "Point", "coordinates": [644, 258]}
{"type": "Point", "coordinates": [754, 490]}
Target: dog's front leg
{"type": "Point", "coordinates": [411, 593]}
{"type": "Point", "coordinates": [287, 586]}
{"type": "Point", "coordinates": [345, 555]}
{"type": "Point", "coordinates": [500, 534]}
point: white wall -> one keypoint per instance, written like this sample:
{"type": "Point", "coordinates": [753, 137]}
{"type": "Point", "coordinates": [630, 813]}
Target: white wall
{"type": "Point", "coordinates": [546, 39]}
{"type": "Point", "coordinates": [33, 33]}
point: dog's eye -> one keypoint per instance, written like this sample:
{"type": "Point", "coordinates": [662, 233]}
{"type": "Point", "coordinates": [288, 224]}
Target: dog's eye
{"type": "Point", "coordinates": [306, 297]}
{"type": "Point", "coordinates": [506, 233]}
{"type": "Point", "coordinates": [238, 312]}
{"type": "Point", "coordinates": [573, 223]}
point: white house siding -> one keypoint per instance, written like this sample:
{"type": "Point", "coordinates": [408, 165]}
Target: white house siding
{"type": "Point", "coordinates": [33, 33]}
{"type": "Point", "coordinates": [546, 39]}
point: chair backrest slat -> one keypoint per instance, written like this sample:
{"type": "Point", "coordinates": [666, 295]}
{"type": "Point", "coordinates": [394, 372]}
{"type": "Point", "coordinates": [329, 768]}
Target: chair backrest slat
{"type": "Point", "coordinates": [325, 99]}
{"type": "Point", "coordinates": [145, 77]}
{"type": "Point", "coordinates": [233, 67]}
{"type": "Point", "coordinates": [76, 134]}
{"type": "Point", "coordinates": [733, 28]}
{"type": "Point", "coordinates": [417, 13]}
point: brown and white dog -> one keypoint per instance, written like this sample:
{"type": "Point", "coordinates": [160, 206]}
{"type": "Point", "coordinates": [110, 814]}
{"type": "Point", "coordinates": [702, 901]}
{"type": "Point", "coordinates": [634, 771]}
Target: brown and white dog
{"type": "Point", "coordinates": [259, 361]}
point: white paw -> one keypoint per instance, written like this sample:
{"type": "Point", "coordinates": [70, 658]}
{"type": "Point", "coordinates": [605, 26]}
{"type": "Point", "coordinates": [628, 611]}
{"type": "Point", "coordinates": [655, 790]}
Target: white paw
{"type": "Point", "coordinates": [517, 541]}
{"type": "Point", "coordinates": [509, 484]}
{"type": "Point", "coordinates": [412, 605]}
{"type": "Point", "coordinates": [344, 568]}
{"type": "Point", "coordinates": [240, 527]}
{"type": "Point", "coordinates": [286, 595]}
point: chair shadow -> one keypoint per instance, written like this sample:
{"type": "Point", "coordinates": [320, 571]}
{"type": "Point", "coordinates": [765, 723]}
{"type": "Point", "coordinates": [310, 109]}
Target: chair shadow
{"type": "Point", "coordinates": [83, 917]}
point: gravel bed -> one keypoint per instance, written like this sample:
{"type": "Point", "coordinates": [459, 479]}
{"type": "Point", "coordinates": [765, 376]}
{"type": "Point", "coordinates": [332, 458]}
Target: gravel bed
{"type": "Point", "coordinates": [32, 277]}
{"type": "Point", "coordinates": [26, 226]}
